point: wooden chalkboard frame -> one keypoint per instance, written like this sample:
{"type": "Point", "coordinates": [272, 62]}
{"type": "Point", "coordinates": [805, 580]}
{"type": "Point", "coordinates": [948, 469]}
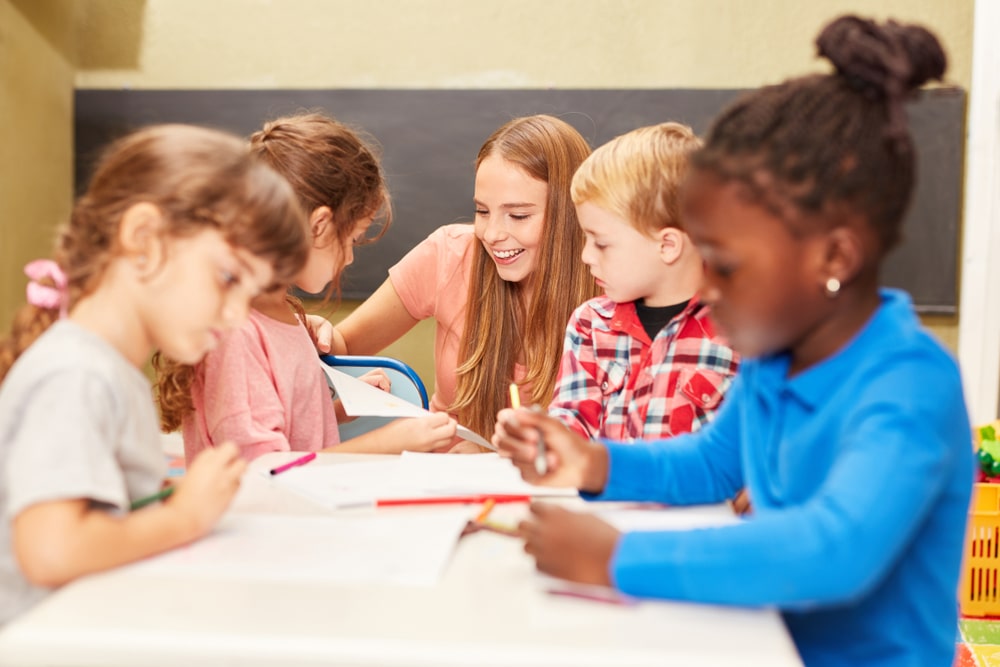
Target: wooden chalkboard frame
{"type": "Point", "coordinates": [430, 138]}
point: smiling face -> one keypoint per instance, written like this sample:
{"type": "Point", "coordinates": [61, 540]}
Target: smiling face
{"type": "Point", "coordinates": [762, 281]}
{"type": "Point", "coordinates": [510, 217]}
{"type": "Point", "coordinates": [202, 289]}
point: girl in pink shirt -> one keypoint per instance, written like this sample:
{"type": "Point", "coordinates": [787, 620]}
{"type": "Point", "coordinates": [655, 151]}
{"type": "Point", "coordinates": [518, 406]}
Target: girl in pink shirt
{"type": "Point", "coordinates": [262, 388]}
{"type": "Point", "coordinates": [502, 289]}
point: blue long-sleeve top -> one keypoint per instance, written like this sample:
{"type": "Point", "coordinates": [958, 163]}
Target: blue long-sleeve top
{"type": "Point", "coordinates": [860, 472]}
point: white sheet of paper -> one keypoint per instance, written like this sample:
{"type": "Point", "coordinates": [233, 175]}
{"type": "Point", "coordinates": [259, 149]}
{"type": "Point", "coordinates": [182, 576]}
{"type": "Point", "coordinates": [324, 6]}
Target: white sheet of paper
{"type": "Point", "coordinates": [669, 518]}
{"type": "Point", "coordinates": [361, 399]}
{"type": "Point", "coordinates": [411, 475]}
{"type": "Point", "coordinates": [397, 549]}
{"type": "Point", "coordinates": [471, 473]}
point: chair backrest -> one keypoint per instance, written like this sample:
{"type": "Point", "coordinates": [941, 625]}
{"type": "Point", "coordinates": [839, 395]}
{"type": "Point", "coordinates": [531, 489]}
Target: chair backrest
{"type": "Point", "coordinates": [405, 383]}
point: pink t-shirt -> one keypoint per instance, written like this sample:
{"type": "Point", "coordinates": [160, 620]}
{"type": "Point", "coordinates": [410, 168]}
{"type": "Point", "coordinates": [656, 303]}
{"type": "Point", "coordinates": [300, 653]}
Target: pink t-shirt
{"type": "Point", "coordinates": [432, 280]}
{"type": "Point", "coordinates": [263, 389]}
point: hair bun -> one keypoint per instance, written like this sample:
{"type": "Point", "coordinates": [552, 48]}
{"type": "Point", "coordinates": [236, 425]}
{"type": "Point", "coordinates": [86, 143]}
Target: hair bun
{"type": "Point", "coordinates": [888, 59]}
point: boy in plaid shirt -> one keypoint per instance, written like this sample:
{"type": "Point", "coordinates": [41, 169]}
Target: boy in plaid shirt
{"type": "Point", "coordinates": [644, 361]}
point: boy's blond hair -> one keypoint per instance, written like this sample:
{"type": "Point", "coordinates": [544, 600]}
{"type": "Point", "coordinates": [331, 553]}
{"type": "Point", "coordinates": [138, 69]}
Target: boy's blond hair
{"type": "Point", "coordinates": [636, 176]}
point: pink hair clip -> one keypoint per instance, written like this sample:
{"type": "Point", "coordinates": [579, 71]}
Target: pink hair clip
{"type": "Point", "coordinates": [44, 296]}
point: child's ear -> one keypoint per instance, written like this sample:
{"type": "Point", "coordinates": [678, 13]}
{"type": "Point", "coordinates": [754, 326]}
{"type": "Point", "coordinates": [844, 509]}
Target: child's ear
{"type": "Point", "coordinates": [141, 237]}
{"type": "Point", "coordinates": [844, 256]}
{"type": "Point", "coordinates": [672, 242]}
{"type": "Point", "coordinates": [321, 226]}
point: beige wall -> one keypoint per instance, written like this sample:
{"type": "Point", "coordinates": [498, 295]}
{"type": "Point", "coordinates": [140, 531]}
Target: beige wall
{"type": "Point", "coordinates": [36, 168]}
{"type": "Point", "coordinates": [386, 44]}
{"type": "Point", "coordinates": [476, 43]}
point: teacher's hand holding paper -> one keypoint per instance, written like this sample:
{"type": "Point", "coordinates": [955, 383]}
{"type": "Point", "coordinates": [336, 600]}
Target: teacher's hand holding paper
{"type": "Point", "coordinates": [571, 460]}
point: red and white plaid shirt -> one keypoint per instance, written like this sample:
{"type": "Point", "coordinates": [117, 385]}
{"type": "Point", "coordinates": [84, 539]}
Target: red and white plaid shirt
{"type": "Point", "coordinates": [615, 383]}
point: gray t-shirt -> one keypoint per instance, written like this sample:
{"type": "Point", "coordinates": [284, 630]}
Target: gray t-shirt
{"type": "Point", "coordinates": [77, 420]}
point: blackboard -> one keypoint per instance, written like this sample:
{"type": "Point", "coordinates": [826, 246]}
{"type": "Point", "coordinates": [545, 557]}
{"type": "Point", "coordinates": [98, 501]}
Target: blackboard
{"type": "Point", "coordinates": [430, 139]}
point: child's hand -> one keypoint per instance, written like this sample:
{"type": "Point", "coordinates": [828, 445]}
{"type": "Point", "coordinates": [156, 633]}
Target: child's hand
{"type": "Point", "coordinates": [323, 329]}
{"type": "Point", "coordinates": [378, 379]}
{"type": "Point", "coordinates": [741, 503]}
{"type": "Point", "coordinates": [208, 487]}
{"type": "Point", "coordinates": [569, 545]}
{"type": "Point", "coordinates": [425, 434]}
{"type": "Point", "coordinates": [572, 460]}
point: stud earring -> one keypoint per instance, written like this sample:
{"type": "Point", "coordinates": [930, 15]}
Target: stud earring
{"type": "Point", "coordinates": [832, 287]}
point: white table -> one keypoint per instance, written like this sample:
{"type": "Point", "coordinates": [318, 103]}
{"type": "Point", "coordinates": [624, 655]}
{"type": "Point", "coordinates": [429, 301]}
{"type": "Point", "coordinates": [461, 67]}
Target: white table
{"type": "Point", "coordinates": [489, 609]}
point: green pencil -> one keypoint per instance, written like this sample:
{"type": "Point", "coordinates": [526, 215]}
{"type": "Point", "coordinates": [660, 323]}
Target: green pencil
{"type": "Point", "coordinates": [148, 500]}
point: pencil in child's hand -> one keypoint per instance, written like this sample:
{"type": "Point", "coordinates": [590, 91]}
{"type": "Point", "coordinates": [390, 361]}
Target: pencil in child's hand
{"type": "Point", "coordinates": [162, 494]}
{"type": "Point", "coordinates": [515, 396]}
{"type": "Point", "coordinates": [541, 464]}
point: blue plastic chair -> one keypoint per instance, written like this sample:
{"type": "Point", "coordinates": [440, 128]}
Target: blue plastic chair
{"type": "Point", "coordinates": [405, 383]}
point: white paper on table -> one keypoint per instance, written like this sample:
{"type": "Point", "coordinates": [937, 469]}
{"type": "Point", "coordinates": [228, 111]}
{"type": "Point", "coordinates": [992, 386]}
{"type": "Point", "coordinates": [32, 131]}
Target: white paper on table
{"type": "Point", "coordinates": [360, 399]}
{"type": "Point", "coordinates": [471, 473]}
{"type": "Point", "coordinates": [669, 518]}
{"type": "Point", "coordinates": [398, 549]}
{"type": "Point", "coordinates": [411, 475]}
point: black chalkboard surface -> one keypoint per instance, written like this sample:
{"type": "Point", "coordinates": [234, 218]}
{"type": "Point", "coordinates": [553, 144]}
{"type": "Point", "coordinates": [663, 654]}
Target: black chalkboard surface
{"type": "Point", "coordinates": [430, 139]}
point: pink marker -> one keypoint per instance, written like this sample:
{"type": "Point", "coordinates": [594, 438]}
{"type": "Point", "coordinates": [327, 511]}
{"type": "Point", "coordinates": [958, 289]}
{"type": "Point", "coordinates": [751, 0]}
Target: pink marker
{"type": "Point", "coordinates": [301, 461]}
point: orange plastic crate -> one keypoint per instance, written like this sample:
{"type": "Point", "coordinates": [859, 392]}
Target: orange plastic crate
{"type": "Point", "coordinates": [979, 590]}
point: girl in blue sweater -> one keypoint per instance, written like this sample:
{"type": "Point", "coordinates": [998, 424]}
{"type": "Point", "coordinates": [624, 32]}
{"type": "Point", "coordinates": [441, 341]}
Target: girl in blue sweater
{"type": "Point", "coordinates": [846, 421]}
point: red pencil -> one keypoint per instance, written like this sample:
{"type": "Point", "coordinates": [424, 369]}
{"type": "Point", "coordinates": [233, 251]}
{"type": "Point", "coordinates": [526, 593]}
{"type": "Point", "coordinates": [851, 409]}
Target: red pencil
{"type": "Point", "coordinates": [454, 500]}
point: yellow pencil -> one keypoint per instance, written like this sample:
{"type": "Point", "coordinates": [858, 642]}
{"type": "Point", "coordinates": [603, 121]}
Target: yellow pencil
{"type": "Point", "coordinates": [541, 464]}
{"type": "Point", "coordinates": [487, 508]}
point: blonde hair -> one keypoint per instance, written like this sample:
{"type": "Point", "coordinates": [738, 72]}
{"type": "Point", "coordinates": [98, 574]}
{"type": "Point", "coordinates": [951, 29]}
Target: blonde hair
{"type": "Point", "coordinates": [499, 324]}
{"type": "Point", "coordinates": [199, 179]}
{"type": "Point", "coordinates": [637, 176]}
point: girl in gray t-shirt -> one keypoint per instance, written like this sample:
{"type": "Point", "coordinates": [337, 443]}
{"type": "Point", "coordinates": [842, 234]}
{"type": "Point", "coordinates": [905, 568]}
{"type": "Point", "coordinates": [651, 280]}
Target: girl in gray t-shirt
{"type": "Point", "coordinates": [180, 227]}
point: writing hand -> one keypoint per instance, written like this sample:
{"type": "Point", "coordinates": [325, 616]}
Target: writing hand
{"type": "Point", "coordinates": [569, 545]}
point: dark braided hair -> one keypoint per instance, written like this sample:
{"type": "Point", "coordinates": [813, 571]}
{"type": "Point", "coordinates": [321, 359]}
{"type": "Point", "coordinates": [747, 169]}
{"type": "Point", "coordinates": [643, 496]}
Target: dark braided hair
{"type": "Point", "coordinates": [817, 144]}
